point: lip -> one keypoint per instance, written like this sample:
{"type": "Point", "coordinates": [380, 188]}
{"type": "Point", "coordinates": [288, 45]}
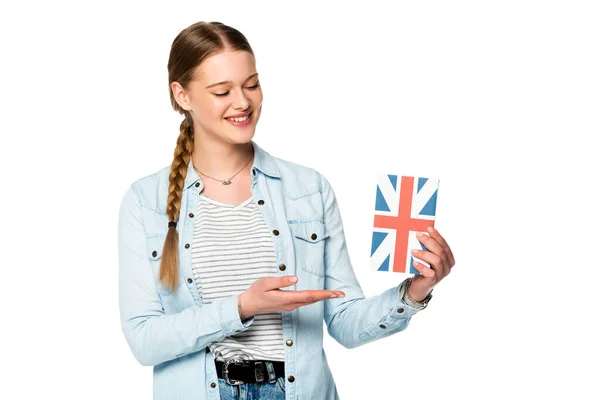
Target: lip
{"type": "Point", "coordinates": [247, 122]}
{"type": "Point", "coordinates": [239, 115]}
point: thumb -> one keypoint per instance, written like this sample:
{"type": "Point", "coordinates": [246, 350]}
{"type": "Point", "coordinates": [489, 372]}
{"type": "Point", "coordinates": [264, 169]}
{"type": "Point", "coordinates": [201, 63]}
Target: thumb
{"type": "Point", "coordinates": [279, 282]}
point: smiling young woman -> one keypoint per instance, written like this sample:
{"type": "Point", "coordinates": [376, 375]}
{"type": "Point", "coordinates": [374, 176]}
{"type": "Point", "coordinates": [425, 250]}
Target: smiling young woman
{"type": "Point", "coordinates": [230, 259]}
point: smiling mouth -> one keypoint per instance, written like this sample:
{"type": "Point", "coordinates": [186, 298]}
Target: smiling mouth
{"type": "Point", "coordinates": [240, 119]}
{"type": "Point", "coordinates": [241, 122]}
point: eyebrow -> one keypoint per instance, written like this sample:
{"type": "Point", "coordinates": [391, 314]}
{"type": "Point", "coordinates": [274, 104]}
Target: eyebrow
{"type": "Point", "coordinates": [230, 82]}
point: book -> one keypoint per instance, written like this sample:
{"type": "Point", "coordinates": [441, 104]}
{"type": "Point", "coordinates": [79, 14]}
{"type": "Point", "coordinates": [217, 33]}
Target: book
{"type": "Point", "coordinates": [404, 205]}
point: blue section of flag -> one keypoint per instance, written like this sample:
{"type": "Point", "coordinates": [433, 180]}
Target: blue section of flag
{"type": "Point", "coordinates": [429, 208]}
{"type": "Point", "coordinates": [421, 182]}
{"type": "Point", "coordinates": [385, 266]}
{"type": "Point", "coordinates": [380, 203]}
{"type": "Point", "coordinates": [394, 180]}
{"type": "Point", "coordinates": [377, 239]}
{"type": "Point", "coordinates": [412, 267]}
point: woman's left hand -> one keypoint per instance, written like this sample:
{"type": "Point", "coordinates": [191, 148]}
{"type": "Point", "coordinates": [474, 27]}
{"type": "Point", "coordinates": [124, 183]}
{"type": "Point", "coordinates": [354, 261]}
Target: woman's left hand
{"type": "Point", "coordinates": [439, 257]}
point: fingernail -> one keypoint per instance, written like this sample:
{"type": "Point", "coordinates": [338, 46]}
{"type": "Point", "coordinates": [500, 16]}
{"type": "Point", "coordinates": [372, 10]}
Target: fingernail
{"type": "Point", "coordinates": [419, 234]}
{"type": "Point", "coordinates": [414, 251]}
{"type": "Point", "coordinates": [334, 295]}
{"type": "Point", "coordinates": [430, 229]}
{"type": "Point", "coordinates": [293, 278]}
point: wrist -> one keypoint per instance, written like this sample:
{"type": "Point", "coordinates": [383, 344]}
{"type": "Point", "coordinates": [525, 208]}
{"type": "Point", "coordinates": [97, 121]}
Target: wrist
{"type": "Point", "coordinates": [243, 312]}
{"type": "Point", "coordinates": [417, 293]}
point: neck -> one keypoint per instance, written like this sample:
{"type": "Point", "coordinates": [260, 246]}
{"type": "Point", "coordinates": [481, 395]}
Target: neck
{"type": "Point", "coordinates": [221, 160]}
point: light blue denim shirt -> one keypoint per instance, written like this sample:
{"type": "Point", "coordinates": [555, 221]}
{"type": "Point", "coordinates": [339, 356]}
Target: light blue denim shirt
{"type": "Point", "coordinates": [172, 331]}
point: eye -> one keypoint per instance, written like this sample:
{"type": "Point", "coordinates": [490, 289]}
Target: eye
{"type": "Point", "coordinates": [254, 87]}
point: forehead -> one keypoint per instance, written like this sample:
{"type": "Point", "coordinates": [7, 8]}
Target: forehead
{"type": "Point", "coordinates": [233, 66]}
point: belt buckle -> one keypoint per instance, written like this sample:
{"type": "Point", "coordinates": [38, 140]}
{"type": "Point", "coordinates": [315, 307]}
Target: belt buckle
{"type": "Point", "coordinates": [226, 372]}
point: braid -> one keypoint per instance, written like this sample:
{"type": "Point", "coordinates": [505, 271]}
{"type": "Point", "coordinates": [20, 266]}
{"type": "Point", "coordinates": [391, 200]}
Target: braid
{"type": "Point", "coordinates": [188, 51]}
{"type": "Point", "coordinates": [169, 274]}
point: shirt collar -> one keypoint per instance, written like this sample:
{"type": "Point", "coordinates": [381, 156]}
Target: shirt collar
{"type": "Point", "coordinates": [263, 162]}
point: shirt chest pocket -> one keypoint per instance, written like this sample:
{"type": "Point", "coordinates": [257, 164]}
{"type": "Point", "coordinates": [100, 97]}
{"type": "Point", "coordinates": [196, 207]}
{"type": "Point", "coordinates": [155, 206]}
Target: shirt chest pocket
{"type": "Point", "coordinates": [155, 253]}
{"type": "Point", "coordinates": [309, 243]}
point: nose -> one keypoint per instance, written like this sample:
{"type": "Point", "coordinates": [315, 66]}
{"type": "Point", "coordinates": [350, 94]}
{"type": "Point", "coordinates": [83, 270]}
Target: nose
{"type": "Point", "coordinates": [240, 101]}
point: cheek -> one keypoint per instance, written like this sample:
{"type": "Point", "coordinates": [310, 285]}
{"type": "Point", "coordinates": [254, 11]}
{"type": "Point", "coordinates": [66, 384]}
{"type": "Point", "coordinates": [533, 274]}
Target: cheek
{"type": "Point", "coordinates": [257, 97]}
{"type": "Point", "coordinates": [212, 109]}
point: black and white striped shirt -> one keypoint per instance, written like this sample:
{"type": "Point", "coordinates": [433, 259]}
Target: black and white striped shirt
{"type": "Point", "coordinates": [232, 247]}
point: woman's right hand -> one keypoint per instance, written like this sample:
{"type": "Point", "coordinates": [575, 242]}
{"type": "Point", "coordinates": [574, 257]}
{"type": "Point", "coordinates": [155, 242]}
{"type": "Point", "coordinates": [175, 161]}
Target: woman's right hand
{"type": "Point", "coordinates": [264, 296]}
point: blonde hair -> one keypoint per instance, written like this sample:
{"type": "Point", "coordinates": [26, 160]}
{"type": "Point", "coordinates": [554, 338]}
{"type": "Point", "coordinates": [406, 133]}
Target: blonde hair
{"type": "Point", "coordinates": [191, 46]}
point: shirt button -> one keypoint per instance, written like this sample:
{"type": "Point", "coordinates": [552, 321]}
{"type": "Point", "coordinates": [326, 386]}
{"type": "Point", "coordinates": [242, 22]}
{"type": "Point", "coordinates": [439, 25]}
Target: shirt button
{"type": "Point", "coordinates": [154, 253]}
{"type": "Point", "coordinates": [261, 202]}
{"type": "Point", "coordinates": [313, 236]}
{"type": "Point", "coordinates": [197, 184]}
{"type": "Point", "coordinates": [291, 378]}
{"type": "Point", "coordinates": [191, 215]}
{"type": "Point", "coordinates": [187, 245]}
{"type": "Point", "coordinates": [282, 267]}
{"type": "Point", "coordinates": [213, 385]}
{"type": "Point", "coordinates": [382, 326]}
{"type": "Point", "coordinates": [190, 280]}
{"type": "Point", "coordinates": [275, 232]}
{"type": "Point", "coordinates": [289, 342]}
{"type": "Point", "coordinates": [401, 310]}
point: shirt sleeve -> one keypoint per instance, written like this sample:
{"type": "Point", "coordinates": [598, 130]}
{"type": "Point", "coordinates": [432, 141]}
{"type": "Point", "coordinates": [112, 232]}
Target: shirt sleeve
{"type": "Point", "coordinates": [153, 336]}
{"type": "Point", "coordinates": [354, 320]}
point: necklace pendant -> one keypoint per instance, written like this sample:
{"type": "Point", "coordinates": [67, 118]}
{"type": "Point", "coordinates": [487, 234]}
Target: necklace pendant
{"type": "Point", "coordinates": [226, 182]}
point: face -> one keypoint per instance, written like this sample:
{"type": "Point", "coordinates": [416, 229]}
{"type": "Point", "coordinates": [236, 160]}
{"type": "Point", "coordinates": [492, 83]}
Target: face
{"type": "Point", "coordinates": [226, 86]}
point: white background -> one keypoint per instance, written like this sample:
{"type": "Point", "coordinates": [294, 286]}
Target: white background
{"type": "Point", "coordinates": [498, 100]}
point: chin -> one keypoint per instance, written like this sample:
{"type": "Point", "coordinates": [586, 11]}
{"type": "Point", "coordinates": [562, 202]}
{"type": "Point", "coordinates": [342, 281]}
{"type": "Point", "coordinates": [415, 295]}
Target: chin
{"type": "Point", "coordinates": [241, 137]}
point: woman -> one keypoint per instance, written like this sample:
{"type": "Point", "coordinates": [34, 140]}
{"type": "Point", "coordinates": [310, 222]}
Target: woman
{"type": "Point", "coordinates": [231, 258]}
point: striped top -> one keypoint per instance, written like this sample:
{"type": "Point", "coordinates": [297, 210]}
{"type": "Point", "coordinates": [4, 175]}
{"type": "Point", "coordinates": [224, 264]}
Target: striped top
{"type": "Point", "coordinates": [232, 247]}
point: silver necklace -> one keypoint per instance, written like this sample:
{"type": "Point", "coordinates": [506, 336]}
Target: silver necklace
{"type": "Point", "coordinates": [224, 182]}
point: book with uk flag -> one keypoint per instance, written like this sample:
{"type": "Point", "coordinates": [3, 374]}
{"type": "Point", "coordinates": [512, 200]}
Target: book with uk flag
{"type": "Point", "coordinates": [404, 206]}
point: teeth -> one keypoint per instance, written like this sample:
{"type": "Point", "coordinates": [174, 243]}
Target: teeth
{"type": "Point", "coordinates": [240, 119]}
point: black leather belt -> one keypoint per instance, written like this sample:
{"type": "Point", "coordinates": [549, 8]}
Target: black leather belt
{"type": "Point", "coordinates": [236, 371]}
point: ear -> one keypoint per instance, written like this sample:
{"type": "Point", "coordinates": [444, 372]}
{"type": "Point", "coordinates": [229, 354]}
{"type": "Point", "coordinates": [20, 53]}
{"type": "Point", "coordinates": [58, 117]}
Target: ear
{"type": "Point", "coordinates": [180, 96]}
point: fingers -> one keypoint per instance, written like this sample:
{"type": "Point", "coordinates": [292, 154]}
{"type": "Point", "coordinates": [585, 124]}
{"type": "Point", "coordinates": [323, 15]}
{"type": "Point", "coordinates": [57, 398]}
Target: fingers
{"type": "Point", "coordinates": [425, 271]}
{"type": "Point", "coordinates": [437, 245]}
{"type": "Point", "coordinates": [295, 296]}
{"type": "Point", "coordinates": [291, 299]}
{"type": "Point", "coordinates": [431, 244]}
{"type": "Point", "coordinates": [311, 296]}
{"type": "Point", "coordinates": [436, 262]}
{"type": "Point", "coordinates": [439, 239]}
{"type": "Point", "coordinates": [294, 299]}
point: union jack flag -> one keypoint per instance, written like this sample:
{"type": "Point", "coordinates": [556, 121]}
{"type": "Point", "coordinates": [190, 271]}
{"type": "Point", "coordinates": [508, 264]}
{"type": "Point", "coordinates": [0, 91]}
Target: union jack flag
{"type": "Point", "coordinates": [402, 208]}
